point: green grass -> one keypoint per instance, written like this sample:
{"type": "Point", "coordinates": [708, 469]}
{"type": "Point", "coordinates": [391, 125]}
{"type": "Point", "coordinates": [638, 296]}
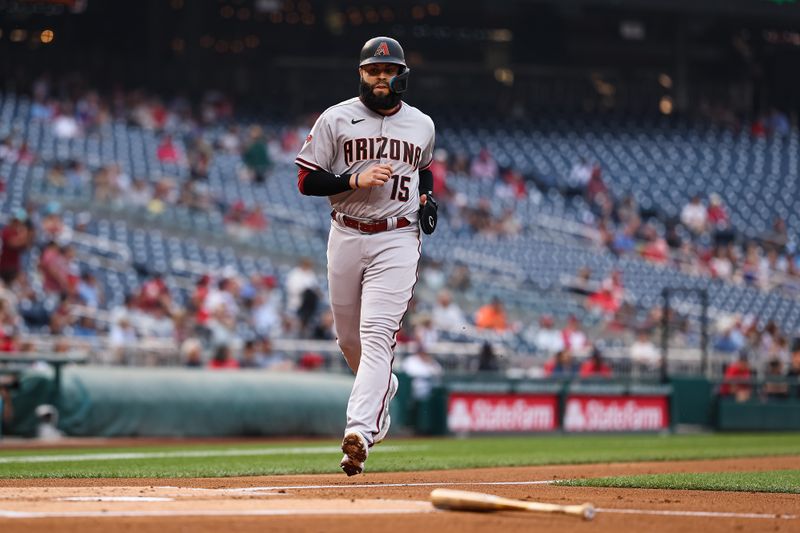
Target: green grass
{"type": "Point", "coordinates": [772, 481]}
{"type": "Point", "coordinates": [398, 455]}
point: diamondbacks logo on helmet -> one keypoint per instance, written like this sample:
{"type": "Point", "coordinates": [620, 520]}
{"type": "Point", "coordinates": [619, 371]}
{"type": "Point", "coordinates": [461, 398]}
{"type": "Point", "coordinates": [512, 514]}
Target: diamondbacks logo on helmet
{"type": "Point", "coordinates": [382, 50]}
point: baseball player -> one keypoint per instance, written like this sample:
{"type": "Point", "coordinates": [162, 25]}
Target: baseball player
{"type": "Point", "coordinates": [370, 156]}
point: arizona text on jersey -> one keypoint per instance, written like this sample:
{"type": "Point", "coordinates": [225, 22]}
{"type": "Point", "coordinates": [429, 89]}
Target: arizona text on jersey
{"type": "Point", "coordinates": [349, 138]}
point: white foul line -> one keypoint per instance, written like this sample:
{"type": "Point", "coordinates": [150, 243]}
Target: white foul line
{"type": "Point", "coordinates": [704, 514]}
{"type": "Point", "coordinates": [200, 512]}
{"type": "Point", "coordinates": [381, 485]}
{"type": "Point", "coordinates": [314, 450]}
{"type": "Point", "coordinates": [115, 499]}
{"type": "Point", "coordinates": [424, 507]}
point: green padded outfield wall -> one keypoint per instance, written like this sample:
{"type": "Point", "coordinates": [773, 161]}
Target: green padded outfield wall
{"type": "Point", "coordinates": [116, 402]}
{"type": "Point", "coordinates": [755, 415]}
{"type": "Point", "coordinates": [693, 400]}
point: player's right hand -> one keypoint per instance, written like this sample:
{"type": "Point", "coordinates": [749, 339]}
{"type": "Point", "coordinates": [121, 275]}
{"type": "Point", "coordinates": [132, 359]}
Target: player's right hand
{"type": "Point", "coordinates": [374, 176]}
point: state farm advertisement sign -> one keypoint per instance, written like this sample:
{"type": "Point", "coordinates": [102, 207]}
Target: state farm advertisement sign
{"type": "Point", "coordinates": [616, 413]}
{"type": "Point", "coordinates": [473, 412]}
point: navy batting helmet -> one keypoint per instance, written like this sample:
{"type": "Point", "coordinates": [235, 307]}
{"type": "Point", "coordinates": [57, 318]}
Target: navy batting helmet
{"type": "Point", "coordinates": [387, 50]}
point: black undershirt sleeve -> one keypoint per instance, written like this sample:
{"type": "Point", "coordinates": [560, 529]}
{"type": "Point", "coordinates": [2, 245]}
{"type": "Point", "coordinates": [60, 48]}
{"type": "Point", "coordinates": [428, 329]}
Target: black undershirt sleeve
{"type": "Point", "coordinates": [425, 181]}
{"type": "Point", "coordinates": [321, 183]}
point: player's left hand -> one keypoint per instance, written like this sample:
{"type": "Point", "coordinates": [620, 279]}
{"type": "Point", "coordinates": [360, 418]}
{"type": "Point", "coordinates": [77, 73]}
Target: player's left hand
{"type": "Point", "coordinates": [428, 213]}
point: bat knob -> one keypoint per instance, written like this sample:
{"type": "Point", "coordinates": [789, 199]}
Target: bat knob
{"type": "Point", "coordinates": [588, 511]}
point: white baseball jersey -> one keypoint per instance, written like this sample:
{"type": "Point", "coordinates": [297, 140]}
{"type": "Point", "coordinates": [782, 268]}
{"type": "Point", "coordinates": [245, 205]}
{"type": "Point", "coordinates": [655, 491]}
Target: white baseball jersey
{"type": "Point", "coordinates": [349, 137]}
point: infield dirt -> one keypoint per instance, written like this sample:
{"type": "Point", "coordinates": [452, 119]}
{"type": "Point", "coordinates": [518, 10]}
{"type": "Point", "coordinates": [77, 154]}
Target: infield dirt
{"type": "Point", "coordinates": [392, 502]}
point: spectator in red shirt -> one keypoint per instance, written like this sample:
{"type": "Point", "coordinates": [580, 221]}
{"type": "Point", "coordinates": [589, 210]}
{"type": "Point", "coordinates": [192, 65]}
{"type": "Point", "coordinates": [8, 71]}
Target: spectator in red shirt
{"type": "Point", "coordinates": [154, 294]}
{"type": "Point", "coordinates": [17, 238]}
{"type": "Point", "coordinates": [10, 342]}
{"type": "Point", "coordinates": [159, 114]}
{"type": "Point", "coordinates": [656, 251]}
{"type": "Point", "coordinates": [198, 298]}
{"type": "Point", "coordinates": [736, 380]}
{"type": "Point", "coordinates": [609, 297]}
{"type": "Point", "coordinates": [758, 129]}
{"type": "Point", "coordinates": [223, 359]}
{"type": "Point", "coordinates": [255, 219]}
{"type": "Point", "coordinates": [439, 171]}
{"type": "Point", "coordinates": [311, 361]}
{"type": "Point", "coordinates": [25, 154]}
{"type": "Point", "coordinates": [514, 184]}
{"type": "Point", "coordinates": [596, 186]}
{"type": "Point", "coordinates": [55, 269]}
{"type": "Point", "coordinates": [604, 301]}
{"type": "Point", "coordinates": [717, 216]}
{"type": "Point", "coordinates": [236, 213]}
{"type": "Point", "coordinates": [167, 152]}
{"type": "Point", "coordinates": [595, 366]}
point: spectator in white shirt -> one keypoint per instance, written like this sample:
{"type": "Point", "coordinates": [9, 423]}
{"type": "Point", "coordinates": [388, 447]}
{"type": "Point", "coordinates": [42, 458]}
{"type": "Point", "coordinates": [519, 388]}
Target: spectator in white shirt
{"type": "Point", "coordinates": [424, 372]}
{"type": "Point", "coordinates": [266, 314]}
{"type": "Point", "coordinates": [579, 177]}
{"type": "Point", "coordinates": [644, 352]}
{"type": "Point", "coordinates": [721, 265]}
{"type": "Point", "coordinates": [694, 216]}
{"type": "Point", "coordinates": [424, 332]}
{"type": "Point", "coordinates": [548, 340]}
{"type": "Point", "coordinates": [300, 279]}
{"type": "Point", "coordinates": [140, 193]}
{"type": "Point", "coordinates": [446, 314]}
{"type": "Point", "coordinates": [574, 337]}
{"type": "Point", "coordinates": [224, 295]}
{"type": "Point", "coordinates": [66, 127]}
{"type": "Point", "coordinates": [121, 337]}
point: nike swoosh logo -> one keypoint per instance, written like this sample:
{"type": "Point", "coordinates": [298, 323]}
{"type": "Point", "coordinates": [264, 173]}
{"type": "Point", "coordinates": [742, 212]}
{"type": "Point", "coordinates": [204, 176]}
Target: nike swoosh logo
{"type": "Point", "coordinates": [354, 121]}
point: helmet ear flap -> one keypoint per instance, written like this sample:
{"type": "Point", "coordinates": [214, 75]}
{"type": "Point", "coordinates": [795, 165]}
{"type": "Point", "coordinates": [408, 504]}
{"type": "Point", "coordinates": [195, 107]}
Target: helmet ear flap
{"type": "Point", "coordinates": [399, 83]}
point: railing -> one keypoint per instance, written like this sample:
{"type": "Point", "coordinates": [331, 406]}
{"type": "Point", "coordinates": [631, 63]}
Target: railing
{"type": "Point", "coordinates": [101, 244]}
{"type": "Point", "coordinates": [452, 356]}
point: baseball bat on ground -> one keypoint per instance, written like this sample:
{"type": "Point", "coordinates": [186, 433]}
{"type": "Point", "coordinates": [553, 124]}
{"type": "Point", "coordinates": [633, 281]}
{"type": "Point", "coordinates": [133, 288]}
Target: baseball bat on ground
{"type": "Point", "coordinates": [461, 500]}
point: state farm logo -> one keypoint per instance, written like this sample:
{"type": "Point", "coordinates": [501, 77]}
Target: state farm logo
{"type": "Point", "coordinates": [616, 414]}
{"type": "Point", "coordinates": [501, 413]}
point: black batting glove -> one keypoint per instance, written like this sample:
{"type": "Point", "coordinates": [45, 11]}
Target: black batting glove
{"type": "Point", "coordinates": [428, 215]}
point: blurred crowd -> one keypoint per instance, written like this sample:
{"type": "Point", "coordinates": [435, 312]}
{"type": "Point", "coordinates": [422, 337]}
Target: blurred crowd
{"type": "Point", "coordinates": [700, 240]}
{"type": "Point", "coordinates": [228, 321]}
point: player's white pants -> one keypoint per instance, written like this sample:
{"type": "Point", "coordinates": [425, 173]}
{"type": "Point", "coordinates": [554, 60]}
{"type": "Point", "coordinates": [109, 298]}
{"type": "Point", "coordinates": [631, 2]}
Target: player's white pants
{"type": "Point", "coordinates": [371, 278]}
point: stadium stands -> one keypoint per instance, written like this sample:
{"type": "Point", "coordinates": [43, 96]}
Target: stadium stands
{"type": "Point", "coordinates": [185, 226]}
